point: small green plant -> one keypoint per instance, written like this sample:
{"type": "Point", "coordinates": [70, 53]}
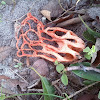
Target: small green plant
{"type": "Point", "coordinates": [2, 97]}
{"type": "Point", "coordinates": [3, 2]}
{"type": "Point", "coordinates": [60, 69]}
{"type": "Point", "coordinates": [89, 52]}
{"type": "Point", "coordinates": [18, 65]}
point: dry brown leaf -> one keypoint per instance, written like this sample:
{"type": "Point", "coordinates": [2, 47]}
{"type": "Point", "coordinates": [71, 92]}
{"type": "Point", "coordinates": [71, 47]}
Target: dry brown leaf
{"type": "Point", "coordinates": [6, 91]}
{"type": "Point", "coordinates": [73, 21]}
{"type": "Point", "coordinates": [4, 52]}
{"type": "Point", "coordinates": [12, 84]}
{"type": "Point", "coordinates": [41, 67]}
{"type": "Point", "coordinates": [46, 14]}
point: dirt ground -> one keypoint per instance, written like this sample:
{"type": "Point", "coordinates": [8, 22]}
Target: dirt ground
{"type": "Point", "coordinates": [24, 80]}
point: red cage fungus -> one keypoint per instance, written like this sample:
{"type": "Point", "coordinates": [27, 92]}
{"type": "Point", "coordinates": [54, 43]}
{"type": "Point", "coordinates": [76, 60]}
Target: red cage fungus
{"type": "Point", "coordinates": [52, 43]}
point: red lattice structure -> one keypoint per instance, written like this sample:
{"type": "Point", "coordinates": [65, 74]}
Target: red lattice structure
{"type": "Point", "coordinates": [52, 43]}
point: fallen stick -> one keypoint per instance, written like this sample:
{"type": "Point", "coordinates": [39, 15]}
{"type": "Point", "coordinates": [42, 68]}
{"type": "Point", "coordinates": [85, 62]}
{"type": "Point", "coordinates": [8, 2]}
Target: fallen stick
{"type": "Point", "coordinates": [81, 90]}
{"type": "Point", "coordinates": [79, 68]}
{"type": "Point", "coordinates": [82, 11]}
{"type": "Point", "coordinates": [73, 21]}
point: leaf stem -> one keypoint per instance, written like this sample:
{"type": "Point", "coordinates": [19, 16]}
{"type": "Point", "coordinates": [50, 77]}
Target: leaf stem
{"type": "Point", "coordinates": [36, 71]}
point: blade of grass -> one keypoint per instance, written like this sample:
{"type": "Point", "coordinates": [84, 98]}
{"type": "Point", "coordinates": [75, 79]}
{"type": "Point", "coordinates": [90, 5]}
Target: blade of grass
{"type": "Point", "coordinates": [95, 34]}
{"type": "Point", "coordinates": [35, 94]}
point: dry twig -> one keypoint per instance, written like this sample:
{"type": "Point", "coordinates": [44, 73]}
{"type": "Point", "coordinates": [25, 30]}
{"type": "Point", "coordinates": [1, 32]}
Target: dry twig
{"type": "Point", "coordinates": [73, 21]}
{"type": "Point", "coordinates": [77, 92]}
{"type": "Point", "coordinates": [79, 68]}
{"type": "Point", "coordinates": [67, 11]}
{"type": "Point", "coordinates": [36, 90]}
{"type": "Point", "coordinates": [34, 84]}
{"type": "Point", "coordinates": [58, 89]}
{"type": "Point", "coordinates": [55, 82]}
{"type": "Point", "coordinates": [19, 76]}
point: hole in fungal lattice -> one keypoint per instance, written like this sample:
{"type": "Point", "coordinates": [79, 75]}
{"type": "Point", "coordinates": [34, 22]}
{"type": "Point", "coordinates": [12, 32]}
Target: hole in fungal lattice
{"type": "Point", "coordinates": [37, 47]}
{"type": "Point", "coordinates": [32, 36]}
{"type": "Point", "coordinates": [26, 27]}
{"type": "Point", "coordinates": [46, 36]}
{"type": "Point", "coordinates": [74, 48]}
{"type": "Point", "coordinates": [29, 52]}
{"type": "Point", "coordinates": [72, 40]}
{"type": "Point", "coordinates": [20, 42]}
{"type": "Point", "coordinates": [62, 54]}
{"type": "Point", "coordinates": [19, 53]}
{"type": "Point", "coordinates": [53, 43]}
{"type": "Point", "coordinates": [26, 46]}
{"type": "Point", "coordinates": [59, 33]}
{"type": "Point", "coordinates": [33, 24]}
{"type": "Point", "coordinates": [69, 56]}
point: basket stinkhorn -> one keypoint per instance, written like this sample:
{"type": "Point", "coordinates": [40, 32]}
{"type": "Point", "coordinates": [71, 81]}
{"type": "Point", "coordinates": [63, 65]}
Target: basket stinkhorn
{"type": "Point", "coordinates": [52, 43]}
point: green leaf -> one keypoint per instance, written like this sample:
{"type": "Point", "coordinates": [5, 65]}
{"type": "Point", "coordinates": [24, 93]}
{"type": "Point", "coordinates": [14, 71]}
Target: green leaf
{"type": "Point", "coordinates": [76, 64]}
{"type": "Point", "coordinates": [87, 56]}
{"type": "Point", "coordinates": [87, 49]}
{"type": "Point", "coordinates": [93, 49]}
{"type": "Point", "coordinates": [16, 66]}
{"type": "Point", "coordinates": [88, 36]}
{"type": "Point", "coordinates": [90, 53]}
{"type": "Point", "coordinates": [60, 67]}
{"type": "Point", "coordinates": [88, 82]}
{"type": "Point", "coordinates": [2, 97]}
{"type": "Point", "coordinates": [3, 2]}
{"type": "Point", "coordinates": [19, 64]}
{"type": "Point", "coordinates": [83, 63]}
{"type": "Point", "coordinates": [47, 88]}
{"type": "Point", "coordinates": [90, 75]}
{"type": "Point", "coordinates": [99, 95]}
{"type": "Point", "coordinates": [64, 79]}
{"type": "Point", "coordinates": [98, 66]}
{"type": "Point", "coordinates": [86, 64]}
{"type": "Point", "coordinates": [56, 62]}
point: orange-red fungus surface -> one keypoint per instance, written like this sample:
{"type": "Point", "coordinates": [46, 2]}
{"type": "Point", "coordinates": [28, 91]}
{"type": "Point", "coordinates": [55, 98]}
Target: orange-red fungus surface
{"type": "Point", "coordinates": [52, 43]}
